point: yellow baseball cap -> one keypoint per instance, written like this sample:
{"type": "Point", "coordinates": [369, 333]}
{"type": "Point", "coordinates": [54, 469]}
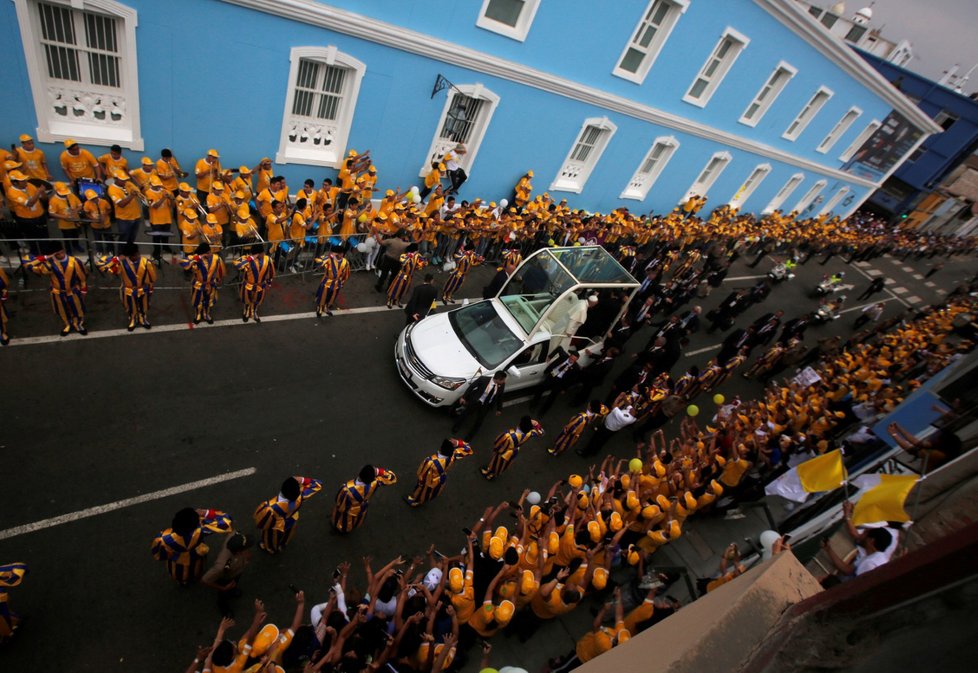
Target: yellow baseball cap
{"type": "Point", "coordinates": [217, 186]}
{"type": "Point", "coordinates": [615, 522]}
{"type": "Point", "coordinates": [575, 481]}
{"type": "Point", "coordinates": [594, 530]}
{"type": "Point", "coordinates": [17, 176]}
{"type": "Point", "coordinates": [155, 181]}
{"type": "Point", "coordinates": [183, 187]}
{"type": "Point", "coordinates": [243, 211]}
{"type": "Point", "coordinates": [264, 640]}
{"type": "Point", "coordinates": [504, 612]}
{"type": "Point", "coordinates": [147, 161]}
{"type": "Point", "coordinates": [62, 188]}
{"type": "Point", "coordinates": [11, 165]}
{"type": "Point", "coordinates": [530, 173]}
{"type": "Point", "coordinates": [189, 214]}
{"type": "Point", "coordinates": [650, 512]}
{"type": "Point", "coordinates": [456, 579]}
{"type": "Point", "coordinates": [496, 548]}
{"type": "Point", "coordinates": [212, 153]}
{"type": "Point", "coordinates": [600, 578]}
{"type": "Point", "coordinates": [244, 170]}
{"type": "Point", "coordinates": [120, 174]}
{"type": "Point", "coordinates": [25, 138]}
{"type": "Point", "coordinates": [632, 556]}
{"type": "Point", "coordinates": [211, 218]}
{"type": "Point", "coordinates": [90, 194]}
{"type": "Point", "coordinates": [69, 142]}
{"type": "Point", "coordinates": [239, 194]}
{"type": "Point", "coordinates": [528, 582]}
{"type": "Point", "coordinates": [662, 501]}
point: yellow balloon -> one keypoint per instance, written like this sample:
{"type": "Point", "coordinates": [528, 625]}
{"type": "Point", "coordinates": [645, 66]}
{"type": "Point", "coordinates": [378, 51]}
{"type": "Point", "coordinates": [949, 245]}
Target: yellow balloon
{"type": "Point", "coordinates": [693, 410]}
{"type": "Point", "coordinates": [635, 465]}
{"type": "Point", "coordinates": [719, 399]}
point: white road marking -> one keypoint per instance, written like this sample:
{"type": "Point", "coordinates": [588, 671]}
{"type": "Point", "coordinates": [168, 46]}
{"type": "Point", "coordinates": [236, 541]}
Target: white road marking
{"type": "Point", "coordinates": [862, 264]}
{"type": "Point", "coordinates": [918, 276]}
{"type": "Point", "coordinates": [888, 281]}
{"type": "Point", "coordinates": [120, 504]}
{"type": "Point", "coordinates": [231, 322]}
{"type": "Point", "coordinates": [874, 272]}
{"type": "Point", "coordinates": [763, 275]}
{"type": "Point", "coordinates": [930, 284]}
{"type": "Point", "coordinates": [517, 400]}
{"type": "Point", "coordinates": [859, 308]}
{"type": "Point", "coordinates": [908, 269]}
{"type": "Point", "coordinates": [901, 290]}
{"type": "Point", "coordinates": [914, 299]}
{"type": "Point", "coordinates": [702, 350]}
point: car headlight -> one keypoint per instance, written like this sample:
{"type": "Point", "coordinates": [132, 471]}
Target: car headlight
{"type": "Point", "coordinates": [447, 382]}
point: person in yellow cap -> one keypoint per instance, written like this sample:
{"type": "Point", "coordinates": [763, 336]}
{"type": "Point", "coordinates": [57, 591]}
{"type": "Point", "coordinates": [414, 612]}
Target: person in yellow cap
{"type": "Point", "coordinates": [597, 641]}
{"type": "Point", "coordinates": [65, 209]}
{"type": "Point", "coordinates": [257, 274]}
{"type": "Point", "coordinates": [68, 285]}
{"type": "Point", "coordinates": [522, 191]}
{"type": "Point", "coordinates": [213, 232]}
{"type": "Point", "coordinates": [227, 656]}
{"type": "Point", "coordinates": [336, 271]}
{"type": "Point", "coordinates": [125, 196]}
{"type": "Point", "coordinates": [97, 211]}
{"type": "Point", "coordinates": [353, 497]}
{"type": "Point", "coordinates": [140, 175]}
{"type": "Point", "coordinates": [432, 179]}
{"type": "Point", "coordinates": [79, 163]}
{"type": "Point", "coordinates": [138, 277]}
{"type": "Point", "coordinates": [4, 285]}
{"type": "Point", "coordinates": [208, 274]}
{"type": "Point", "coordinates": [33, 159]}
{"type": "Point", "coordinates": [243, 183]}
{"type": "Point", "coordinates": [278, 517]}
{"type": "Point", "coordinates": [207, 170]}
{"type": "Point", "coordinates": [160, 203]}
{"type": "Point", "coordinates": [489, 618]}
{"type": "Point", "coordinates": [245, 229]}
{"type": "Point", "coordinates": [433, 471]}
{"type": "Point", "coordinates": [169, 170]}
{"type": "Point", "coordinates": [27, 208]}
{"type": "Point", "coordinates": [507, 446]}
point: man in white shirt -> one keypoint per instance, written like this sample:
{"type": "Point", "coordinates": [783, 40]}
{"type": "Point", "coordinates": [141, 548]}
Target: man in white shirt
{"type": "Point", "coordinates": [875, 546]}
{"type": "Point", "coordinates": [617, 418]}
{"type": "Point", "coordinates": [456, 174]}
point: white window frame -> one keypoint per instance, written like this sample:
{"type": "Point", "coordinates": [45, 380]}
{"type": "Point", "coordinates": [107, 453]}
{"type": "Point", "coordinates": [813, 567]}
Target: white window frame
{"type": "Point", "coordinates": [723, 67]}
{"type": "Point", "coordinates": [439, 145]}
{"type": "Point", "coordinates": [640, 184]}
{"type": "Point", "coordinates": [89, 101]}
{"type": "Point", "coordinates": [767, 94]}
{"type": "Point", "coordinates": [808, 113]}
{"type": "Point", "coordinates": [571, 177]}
{"type": "Point", "coordinates": [517, 32]}
{"type": "Point", "coordinates": [753, 181]}
{"type": "Point", "coordinates": [871, 128]}
{"type": "Point", "coordinates": [676, 9]}
{"type": "Point", "coordinates": [784, 193]}
{"type": "Point", "coordinates": [810, 196]}
{"type": "Point", "coordinates": [338, 131]}
{"type": "Point", "coordinates": [701, 187]}
{"type": "Point", "coordinates": [834, 201]}
{"type": "Point", "coordinates": [840, 128]}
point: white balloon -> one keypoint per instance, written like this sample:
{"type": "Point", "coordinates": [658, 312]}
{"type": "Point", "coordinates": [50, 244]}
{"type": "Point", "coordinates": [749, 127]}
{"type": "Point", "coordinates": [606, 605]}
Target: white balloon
{"type": "Point", "coordinates": [371, 243]}
{"type": "Point", "coordinates": [533, 498]}
{"type": "Point", "coordinates": [503, 203]}
{"type": "Point", "coordinates": [415, 197]}
{"type": "Point", "coordinates": [414, 190]}
{"type": "Point", "coordinates": [361, 247]}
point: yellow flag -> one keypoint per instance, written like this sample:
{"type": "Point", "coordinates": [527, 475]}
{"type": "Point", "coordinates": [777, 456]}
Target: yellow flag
{"type": "Point", "coordinates": [824, 473]}
{"type": "Point", "coordinates": [885, 502]}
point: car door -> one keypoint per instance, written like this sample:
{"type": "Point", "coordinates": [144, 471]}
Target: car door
{"type": "Point", "coordinates": [527, 367]}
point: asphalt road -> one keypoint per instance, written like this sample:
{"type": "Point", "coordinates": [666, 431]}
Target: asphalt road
{"type": "Point", "coordinates": [94, 420]}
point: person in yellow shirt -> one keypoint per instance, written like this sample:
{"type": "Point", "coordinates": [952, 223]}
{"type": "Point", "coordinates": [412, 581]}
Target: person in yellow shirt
{"type": "Point", "coordinates": [97, 211]}
{"type": "Point", "coordinates": [207, 171]}
{"type": "Point", "coordinates": [160, 215]}
{"type": "Point", "coordinates": [277, 190]}
{"type": "Point", "coordinates": [218, 205]}
{"type": "Point", "coordinates": [33, 159]}
{"type": "Point", "coordinates": [138, 277]}
{"type": "Point", "coordinates": [65, 208]}
{"type": "Point", "coordinates": [140, 176]}
{"type": "Point", "coordinates": [169, 170]}
{"type": "Point", "coordinates": [522, 191]}
{"type": "Point", "coordinates": [213, 232]}
{"type": "Point", "coordinates": [25, 202]}
{"type": "Point", "coordinates": [242, 183]}
{"type": "Point", "coordinates": [264, 175]}
{"type": "Point", "coordinates": [127, 199]}
{"type": "Point", "coordinates": [597, 641]}
{"type": "Point", "coordinates": [79, 163]}
{"type": "Point", "coordinates": [432, 179]}
{"type": "Point", "coordinates": [277, 227]}
{"type": "Point", "coordinates": [191, 231]}
{"type": "Point", "coordinates": [245, 230]}
{"type": "Point", "coordinates": [113, 161]}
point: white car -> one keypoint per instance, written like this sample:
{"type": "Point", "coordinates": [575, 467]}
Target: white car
{"type": "Point", "coordinates": [539, 309]}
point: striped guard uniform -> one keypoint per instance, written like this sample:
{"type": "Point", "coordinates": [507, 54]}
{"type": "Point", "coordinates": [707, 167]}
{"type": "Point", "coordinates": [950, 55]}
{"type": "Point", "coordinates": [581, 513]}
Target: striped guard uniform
{"type": "Point", "coordinates": [138, 279]}
{"type": "Point", "coordinates": [433, 473]}
{"type": "Point", "coordinates": [336, 271]}
{"type": "Point", "coordinates": [505, 449]}
{"type": "Point", "coordinates": [350, 508]}
{"type": "Point", "coordinates": [185, 556]}
{"type": "Point", "coordinates": [278, 518]}
{"type": "Point", "coordinates": [68, 287]}
{"type": "Point", "coordinates": [575, 427]}
{"type": "Point", "coordinates": [208, 273]}
{"type": "Point", "coordinates": [258, 273]}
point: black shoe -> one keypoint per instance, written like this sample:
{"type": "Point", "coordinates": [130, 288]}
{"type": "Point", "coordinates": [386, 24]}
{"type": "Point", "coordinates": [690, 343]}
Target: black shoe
{"type": "Point", "coordinates": [244, 318]}
{"type": "Point", "coordinates": [130, 327]}
{"type": "Point", "coordinates": [4, 340]}
{"type": "Point", "coordinates": [65, 331]}
{"type": "Point", "coordinates": [329, 313]}
{"type": "Point", "coordinates": [256, 318]}
{"type": "Point", "coordinates": [319, 313]}
{"type": "Point", "coordinates": [197, 320]}
{"type": "Point", "coordinates": [146, 325]}
{"type": "Point", "coordinates": [210, 320]}
{"type": "Point", "coordinates": [81, 329]}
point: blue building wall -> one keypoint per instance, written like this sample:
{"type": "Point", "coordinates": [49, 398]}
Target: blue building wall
{"type": "Point", "coordinates": [941, 152]}
{"type": "Point", "coordinates": [212, 74]}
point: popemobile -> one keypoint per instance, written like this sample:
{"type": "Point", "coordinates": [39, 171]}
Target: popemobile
{"type": "Point", "coordinates": [537, 311]}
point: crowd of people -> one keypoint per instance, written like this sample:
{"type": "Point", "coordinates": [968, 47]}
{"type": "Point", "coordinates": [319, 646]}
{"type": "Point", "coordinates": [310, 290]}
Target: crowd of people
{"type": "Point", "coordinates": [594, 533]}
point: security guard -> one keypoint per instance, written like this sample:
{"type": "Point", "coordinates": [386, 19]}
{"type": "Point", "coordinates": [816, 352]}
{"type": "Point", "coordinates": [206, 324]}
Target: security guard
{"type": "Point", "coordinates": [410, 261]}
{"type": "Point", "coordinates": [575, 427]}
{"type": "Point", "coordinates": [138, 276]}
{"type": "Point", "coordinates": [182, 546]}
{"type": "Point", "coordinates": [278, 517]}
{"type": "Point", "coordinates": [507, 446]}
{"type": "Point", "coordinates": [464, 260]}
{"type": "Point", "coordinates": [258, 274]}
{"type": "Point", "coordinates": [350, 508]}
{"type": "Point", "coordinates": [208, 270]}
{"type": "Point", "coordinates": [336, 271]}
{"type": "Point", "coordinates": [68, 285]}
{"type": "Point", "coordinates": [11, 574]}
{"type": "Point", "coordinates": [433, 472]}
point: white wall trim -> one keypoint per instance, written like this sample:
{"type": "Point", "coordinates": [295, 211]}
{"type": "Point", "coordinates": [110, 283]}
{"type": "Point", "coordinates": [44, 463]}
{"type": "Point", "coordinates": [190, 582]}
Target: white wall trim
{"type": "Point", "coordinates": [858, 141]}
{"type": "Point", "coordinates": [575, 185]}
{"type": "Point", "coordinates": [90, 134]}
{"type": "Point", "coordinates": [796, 17]}
{"type": "Point", "coordinates": [439, 147]}
{"type": "Point", "coordinates": [679, 8]}
{"type": "Point", "coordinates": [725, 67]}
{"type": "Point", "coordinates": [365, 28]}
{"type": "Point", "coordinates": [745, 190]}
{"type": "Point", "coordinates": [840, 128]}
{"type": "Point", "coordinates": [809, 109]}
{"type": "Point", "coordinates": [783, 194]}
{"type": "Point", "coordinates": [702, 189]}
{"type": "Point", "coordinates": [813, 193]}
{"type": "Point", "coordinates": [640, 191]}
{"type": "Point", "coordinates": [772, 96]}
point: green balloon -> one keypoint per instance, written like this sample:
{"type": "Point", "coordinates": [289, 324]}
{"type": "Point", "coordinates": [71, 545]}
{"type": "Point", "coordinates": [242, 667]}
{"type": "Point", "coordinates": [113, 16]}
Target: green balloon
{"type": "Point", "coordinates": [693, 410]}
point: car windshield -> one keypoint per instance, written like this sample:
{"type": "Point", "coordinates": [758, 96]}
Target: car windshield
{"type": "Point", "coordinates": [533, 288]}
{"type": "Point", "coordinates": [484, 334]}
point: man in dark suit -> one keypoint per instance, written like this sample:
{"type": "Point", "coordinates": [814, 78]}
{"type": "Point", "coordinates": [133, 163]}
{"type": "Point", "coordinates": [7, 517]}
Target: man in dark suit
{"type": "Point", "coordinates": [690, 320]}
{"type": "Point", "coordinates": [496, 284]}
{"type": "Point", "coordinates": [481, 396]}
{"type": "Point", "coordinates": [560, 374]}
{"type": "Point", "coordinates": [421, 299]}
{"type": "Point", "coordinates": [766, 327]}
{"type": "Point", "coordinates": [595, 373]}
{"type": "Point", "coordinates": [736, 340]}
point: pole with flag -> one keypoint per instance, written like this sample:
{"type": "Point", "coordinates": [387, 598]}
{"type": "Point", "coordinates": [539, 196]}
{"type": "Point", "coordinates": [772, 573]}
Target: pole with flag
{"type": "Point", "coordinates": [822, 473]}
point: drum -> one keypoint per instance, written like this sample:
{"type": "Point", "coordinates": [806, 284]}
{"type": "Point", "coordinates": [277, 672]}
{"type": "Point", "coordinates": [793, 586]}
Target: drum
{"type": "Point", "coordinates": [84, 184]}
